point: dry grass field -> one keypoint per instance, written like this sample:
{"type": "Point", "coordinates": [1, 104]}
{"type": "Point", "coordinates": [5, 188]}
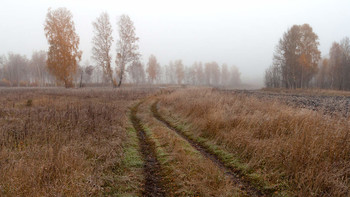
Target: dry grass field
{"type": "Point", "coordinates": [58, 142]}
{"type": "Point", "coordinates": [172, 142]}
{"type": "Point", "coordinates": [301, 151]}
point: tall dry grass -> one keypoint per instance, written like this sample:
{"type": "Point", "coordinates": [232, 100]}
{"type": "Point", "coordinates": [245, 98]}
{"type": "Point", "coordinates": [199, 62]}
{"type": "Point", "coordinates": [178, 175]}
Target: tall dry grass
{"type": "Point", "coordinates": [307, 150]}
{"type": "Point", "coordinates": [56, 142]}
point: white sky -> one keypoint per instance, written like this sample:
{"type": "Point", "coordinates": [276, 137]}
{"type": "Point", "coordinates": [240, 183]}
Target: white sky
{"type": "Point", "coordinates": [241, 33]}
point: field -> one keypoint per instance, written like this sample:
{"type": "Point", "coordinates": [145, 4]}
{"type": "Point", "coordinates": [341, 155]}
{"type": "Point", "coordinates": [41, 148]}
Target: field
{"type": "Point", "coordinates": [58, 142]}
{"type": "Point", "coordinates": [173, 141]}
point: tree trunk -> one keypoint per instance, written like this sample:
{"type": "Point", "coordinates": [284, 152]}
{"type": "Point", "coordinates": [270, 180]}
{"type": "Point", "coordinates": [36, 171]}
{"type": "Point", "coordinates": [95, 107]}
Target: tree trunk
{"type": "Point", "coordinates": [68, 84]}
{"type": "Point", "coordinates": [112, 80]}
{"type": "Point", "coordinates": [120, 80]}
{"type": "Point", "coordinates": [121, 75]}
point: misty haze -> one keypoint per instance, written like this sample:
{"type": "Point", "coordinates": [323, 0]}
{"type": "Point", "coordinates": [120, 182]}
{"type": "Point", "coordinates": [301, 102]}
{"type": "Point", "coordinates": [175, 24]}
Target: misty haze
{"type": "Point", "coordinates": [174, 98]}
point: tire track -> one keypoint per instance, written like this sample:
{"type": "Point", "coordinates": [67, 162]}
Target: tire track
{"type": "Point", "coordinates": [152, 169]}
{"type": "Point", "coordinates": [234, 174]}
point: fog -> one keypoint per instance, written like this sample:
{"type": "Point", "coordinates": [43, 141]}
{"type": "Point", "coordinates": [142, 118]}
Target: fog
{"type": "Point", "coordinates": [233, 32]}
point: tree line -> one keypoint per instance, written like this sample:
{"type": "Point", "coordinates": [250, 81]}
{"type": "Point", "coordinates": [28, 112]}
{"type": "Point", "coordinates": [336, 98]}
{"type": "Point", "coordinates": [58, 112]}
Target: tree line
{"type": "Point", "coordinates": [297, 62]}
{"type": "Point", "coordinates": [207, 74]}
{"type": "Point", "coordinates": [61, 64]}
{"type": "Point", "coordinates": [18, 71]}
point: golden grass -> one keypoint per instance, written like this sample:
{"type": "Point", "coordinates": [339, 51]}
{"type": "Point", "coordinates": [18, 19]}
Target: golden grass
{"type": "Point", "coordinates": [57, 142]}
{"type": "Point", "coordinates": [307, 150]}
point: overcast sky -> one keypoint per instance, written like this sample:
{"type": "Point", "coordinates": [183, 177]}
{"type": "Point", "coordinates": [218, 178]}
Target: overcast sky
{"type": "Point", "coordinates": [241, 33]}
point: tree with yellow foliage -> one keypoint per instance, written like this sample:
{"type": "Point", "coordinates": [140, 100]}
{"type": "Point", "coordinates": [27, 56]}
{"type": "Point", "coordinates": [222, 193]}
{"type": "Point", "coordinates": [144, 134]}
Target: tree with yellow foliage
{"type": "Point", "coordinates": [153, 69]}
{"type": "Point", "coordinates": [63, 55]}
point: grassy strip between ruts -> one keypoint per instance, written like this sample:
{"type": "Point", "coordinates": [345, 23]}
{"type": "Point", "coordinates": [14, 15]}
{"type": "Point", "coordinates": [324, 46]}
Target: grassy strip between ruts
{"type": "Point", "coordinates": [228, 159]}
{"type": "Point", "coordinates": [161, 155]}
{"type": "Point", "coordinates": [185, 170]}
{"type": "Point", "coordinates": [130, 173]}
{"type": "Point", "coordinates": [154, 184]}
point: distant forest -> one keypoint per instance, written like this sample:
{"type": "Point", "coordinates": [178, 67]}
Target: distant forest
{"type": "Point", "coordinates": [17, 70]}
{"type": "Point", "coordinates": [61, 64]}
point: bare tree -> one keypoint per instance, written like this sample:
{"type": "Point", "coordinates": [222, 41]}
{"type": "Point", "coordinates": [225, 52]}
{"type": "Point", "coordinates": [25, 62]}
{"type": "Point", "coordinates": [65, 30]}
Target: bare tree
{"type": "Point", "coordinates": [345, 45]}
{"type": "Point", "coordinates": [79, 76]}
{"type": "Point", "coordinates": [225, 75]}
{"type": "Point", "coordinates": [2, 66]}
{"type": "Point", "coordinates": [216, 73]}
{"type": "Point", "coordinates": [273, 76]}
{"type": "Point", "coordinates": [97, 75]}
{"type": "Point", "coordinates": [136, 72]}
{"type": "Point", "coordinates": [180, 71]}
{"type": "Point", "coordinates": [40, 74]}
{"type": "Point", "coordinates": [89, 70]}
{"type": "Point", "coordinates": [212, 73]}
{"type": "Point", "coordinates": [17, 69]}
{"type": "Point", "coordinates": [207, 73]}
{"type": "Point", "coordinates": [153, 68]}
{"type": "Point", "coordinates": [335, 62]}
{"type": "Point", "coordinates": [199, 73]}
{"type": "Point", "coordinates": [127, 48]}
{"type": "Point", "coordinates": [190, 75]}
{"type": "Point", "coordinates": [170, 73]}
{"type": "Point", "coordinates": [324, 77]}
{"type": "Point", "coordinates": [2, 60]}
{"type": "Point", "coordinates": [102, 43]}
{"type": "Point", "coordinates": [64, 53]}
{"type": "Point", "coordinates": [85, 73]}
{"type": "Point", "coordinates": [235, 79]}
{"type": "Point", "coordinates": [339, 63]}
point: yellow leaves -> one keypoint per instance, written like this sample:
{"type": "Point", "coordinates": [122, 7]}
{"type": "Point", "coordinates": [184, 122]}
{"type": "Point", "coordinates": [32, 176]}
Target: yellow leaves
{"type": "Point", "coordinates": [303, 60]}
{"type": "Point", "coordinates": [153, 68]}
{"type": "Point", "coordinates": [63, 55]}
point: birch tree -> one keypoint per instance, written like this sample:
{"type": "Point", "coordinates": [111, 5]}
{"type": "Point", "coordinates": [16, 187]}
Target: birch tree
{"type": "Point", "coordinates": [64, 54]}
{"type": "Point", "coordinates": [297, 55]}
{"type": "Point", "coordinates": [136, 72]}
{"type": "Point", "coordinates": [127, 47]}
{"type": "Point", "coordinates": [102, 43]}
{"type": "Point", "coordinates": [180, 71]}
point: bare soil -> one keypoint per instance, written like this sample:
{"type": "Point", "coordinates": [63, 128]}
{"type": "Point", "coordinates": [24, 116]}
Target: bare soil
{"type": "Point", "coordinates": [329, 104]}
